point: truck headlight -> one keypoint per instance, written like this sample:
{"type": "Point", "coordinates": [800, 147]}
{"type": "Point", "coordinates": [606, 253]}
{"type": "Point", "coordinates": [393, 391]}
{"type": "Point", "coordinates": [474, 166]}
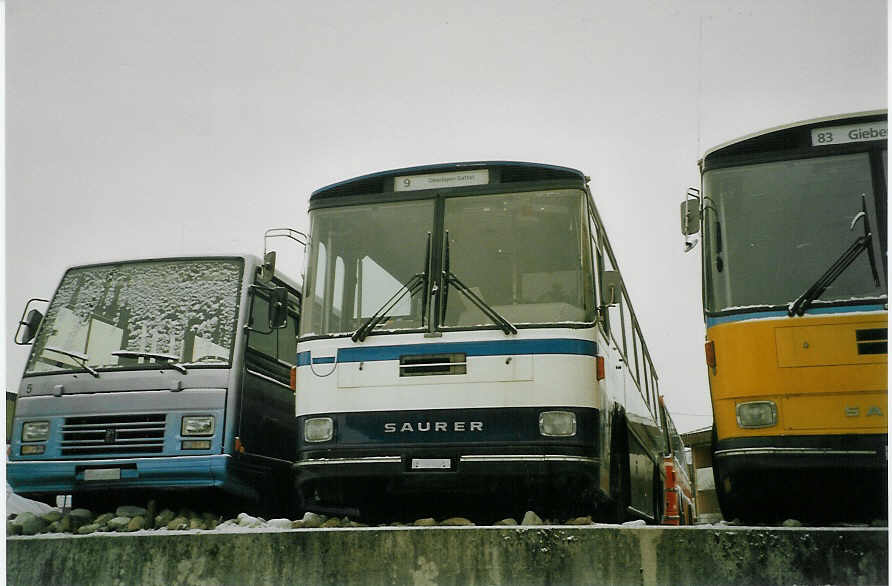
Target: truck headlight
{"type": "Point", "coordinates": [35, 431]}
{"type": "Point", "coordinates": [756, 414]}
{"type": "Point", "coordinates": [197, 425]}
{"type": "Point", "coordinates": [557, 423]}
{"type": "Point", "coordinates": [318, 429]}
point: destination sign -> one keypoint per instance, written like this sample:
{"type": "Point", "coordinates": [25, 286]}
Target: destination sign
{"type": "Point", "coordinates": [863, 132]}
{"type": "Point", "coordinates": [441, 180]}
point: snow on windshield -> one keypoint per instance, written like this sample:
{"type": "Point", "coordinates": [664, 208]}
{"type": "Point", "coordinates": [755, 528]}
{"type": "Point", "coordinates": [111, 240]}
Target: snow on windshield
{"type": "Point", "coordinates": [183, 308]}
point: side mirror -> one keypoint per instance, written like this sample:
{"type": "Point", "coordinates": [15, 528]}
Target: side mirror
{"type": "Point", "coordinates": [28, 324]}
{"type": "Point", "coordinates": [690, 217]}
{"type": "Point", "coordinates": [268, 268]}
{"type": "Point", "coordinates": [611, 285]}
{"type": "Point", "coordinates": [278, 307]}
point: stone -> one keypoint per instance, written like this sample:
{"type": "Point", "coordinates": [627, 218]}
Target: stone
{"type": "Point", "coordinates": [299, 524]}
{"type": "Point", "coordinates": [312, 520]}
{"type": "Point", "coordinates": [333, 522]}
{"type": "Point", "coordinates": [31, 524]}
{"type": "Point", "coordinates": [456, 522]}
{"type": "Point", "coordinates": [246, 520]}
{"type": "Point", "coordinates": [130, 511]}
{"type": "Point", "coordinates": [279, 523]}
{"type": "Point", "coordinates": [164, 517]}
{"type": "Point", "coordinates": [506, 522]}
{"type": "Point", "coordinates": [210, 521]}
{"type": "Point", "coordinates": [87, 529]}
{"type": "Point", "coordinates": [66, 524]}
{"type": "Point", "coordinates": [53, 527]}
{"type": "Point", "coordinates": [587, 520]}
{"type": "Point", "coordinates": [13, 529]}
{"type": "Point", "coordinates": [196, 523]}
{"type": "Point", "coordinates": [51, 516]}
{"type": "Point", "coordinates": [178, 524]}
{"type": "Point", "coordinates": [635, 523]}
{"type": "Point", "coordinates": [104, 518]}
{"type": "Point", "coordinates": [531, 518]}
{"type": "Point", "coordinates": [426, 522]}
{"type": "Point", "coordinates": [135, 524]}
{"type": "Point", "coordinates": [118, 523]}
{"type": "Point", "coordinates": [791, 523]}
{"type": "Point", "coordinates": [79, 518]}
{"type": "Point", "coordinates": [879, 523]}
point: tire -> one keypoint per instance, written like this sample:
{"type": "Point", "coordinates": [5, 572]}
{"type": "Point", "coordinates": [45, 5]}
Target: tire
{"type": "Point", "coordinates": [615, 508]}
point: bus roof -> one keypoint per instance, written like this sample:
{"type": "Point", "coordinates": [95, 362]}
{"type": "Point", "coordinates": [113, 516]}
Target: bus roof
{"type": "Point", "coordinates": [510, 171]}
{"type": "Point", "coordinates": [785, 127]}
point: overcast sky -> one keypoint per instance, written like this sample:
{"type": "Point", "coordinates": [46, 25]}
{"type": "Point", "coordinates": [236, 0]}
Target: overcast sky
{"type": "Point", "coordinates": [144, 129]}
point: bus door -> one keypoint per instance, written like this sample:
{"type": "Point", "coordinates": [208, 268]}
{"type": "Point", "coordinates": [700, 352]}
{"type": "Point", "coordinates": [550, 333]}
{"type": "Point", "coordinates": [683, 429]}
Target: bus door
{"type": "Point", "coordinates": [267, 399]}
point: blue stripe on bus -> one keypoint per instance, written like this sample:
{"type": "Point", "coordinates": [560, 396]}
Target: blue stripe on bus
{"type": "Point", "coordinates": [714, 321]}
{"type": "Point", "coordinates": [495, 348]}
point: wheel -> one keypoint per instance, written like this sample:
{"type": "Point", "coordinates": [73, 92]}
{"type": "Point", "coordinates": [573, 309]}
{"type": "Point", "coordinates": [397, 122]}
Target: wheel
{"type": "Point", "coordinates": [725, 487]}
{"type": "Point", "coordinates": [615, 508]}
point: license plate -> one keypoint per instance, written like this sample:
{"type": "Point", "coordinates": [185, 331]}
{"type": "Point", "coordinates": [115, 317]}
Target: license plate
{"type": "Point", "coordinates": [102, 474]}
{"type": "Point", "coordinates": [431, 463]}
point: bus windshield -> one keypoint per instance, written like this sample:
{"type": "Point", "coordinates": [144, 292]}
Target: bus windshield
{"type": "Point", "coordinates": [140, 315]}
{"type": "Point", "coordinates": [772, 229]}
{"type": "Point", "coordinates": [360, 257]}
{"type": "Point", "coordinates": [523, 254]}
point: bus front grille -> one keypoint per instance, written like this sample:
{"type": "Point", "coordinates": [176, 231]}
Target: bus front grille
{"type": "Point", "coordinates": [113, 435]}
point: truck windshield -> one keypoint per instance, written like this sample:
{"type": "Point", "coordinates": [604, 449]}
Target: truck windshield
{"type": "Point", "coordinates": [773, 228]}
{"type": "Point", "coordinates": [124, 316]}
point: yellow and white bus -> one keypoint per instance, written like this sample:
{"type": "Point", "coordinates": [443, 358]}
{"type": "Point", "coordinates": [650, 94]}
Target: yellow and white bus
{"type": "Point", "coordinates": [793, 223]}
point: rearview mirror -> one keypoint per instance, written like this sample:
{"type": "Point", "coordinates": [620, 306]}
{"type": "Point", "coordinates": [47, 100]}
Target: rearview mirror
{"type": "Point", "coordinates": [268, 268]}
{"type": "Point", "coordinates": [690, 217]}
{"type": "Point", "coordinates": [278, 307]}
{"type": "Point", "coordinates": [28, 324]}
{"type": "Point", "coordinates": [611, 285]}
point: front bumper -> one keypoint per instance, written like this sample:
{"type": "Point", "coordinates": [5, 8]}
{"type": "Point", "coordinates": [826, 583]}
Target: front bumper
{"type": "Point", "coordinates": [72, 476]}
{"type": "Point", "coordinates": [412, 467]}
{"type": "Point", "coordinates": [785, 453]}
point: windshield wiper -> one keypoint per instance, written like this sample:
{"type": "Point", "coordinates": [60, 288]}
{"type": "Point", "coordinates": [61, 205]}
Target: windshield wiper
{"type": "Point", "coordinates": [171, 359]}
{"type": "Point", "coordinates": [77, 356]}
{"type": "Point", "coordinates": [450, 278]}
{"type": "Point", "coordinates": [412, 285]}
{"type": "Point", "coordinates": [862, 243]}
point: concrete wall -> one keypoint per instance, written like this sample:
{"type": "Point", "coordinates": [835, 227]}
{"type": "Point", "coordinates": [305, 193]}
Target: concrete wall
{"type": "Point", "coordinates": [459, 555]}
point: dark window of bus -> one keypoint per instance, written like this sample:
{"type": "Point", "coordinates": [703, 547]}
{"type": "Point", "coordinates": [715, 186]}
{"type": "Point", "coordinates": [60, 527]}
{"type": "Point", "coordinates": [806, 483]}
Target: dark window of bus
{"type": "Point", "coordinates": [773, 228]}
{"type": "Point", "coordinates": [525, 254]}
{"type": "Point", "coordinates": [281, 343]}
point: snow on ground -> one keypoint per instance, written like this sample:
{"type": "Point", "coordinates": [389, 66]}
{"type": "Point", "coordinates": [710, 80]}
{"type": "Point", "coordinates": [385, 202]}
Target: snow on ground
{"type": "Point", "coordinates": [16, 504]}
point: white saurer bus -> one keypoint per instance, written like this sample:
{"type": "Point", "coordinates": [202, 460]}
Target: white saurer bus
{"type": "Point", "coordinates": [467, 342]}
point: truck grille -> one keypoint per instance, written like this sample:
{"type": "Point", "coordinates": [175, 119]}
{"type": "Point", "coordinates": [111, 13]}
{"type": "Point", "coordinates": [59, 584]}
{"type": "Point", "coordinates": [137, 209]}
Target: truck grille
{"type": "Point", "coordinates": [113, 435]}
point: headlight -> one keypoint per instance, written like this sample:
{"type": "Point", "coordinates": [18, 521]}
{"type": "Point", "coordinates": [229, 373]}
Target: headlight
{"type": "Point", "coordinates": [198, 425]}
{"type": "Point", "coordinates": [756, 414]}
{"type": "Point", "coordinates": [35, 431]}
{"type": "Point", "coordinates": [557, 423]}
{"type": "Point", "coordinates": [318, 429]}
